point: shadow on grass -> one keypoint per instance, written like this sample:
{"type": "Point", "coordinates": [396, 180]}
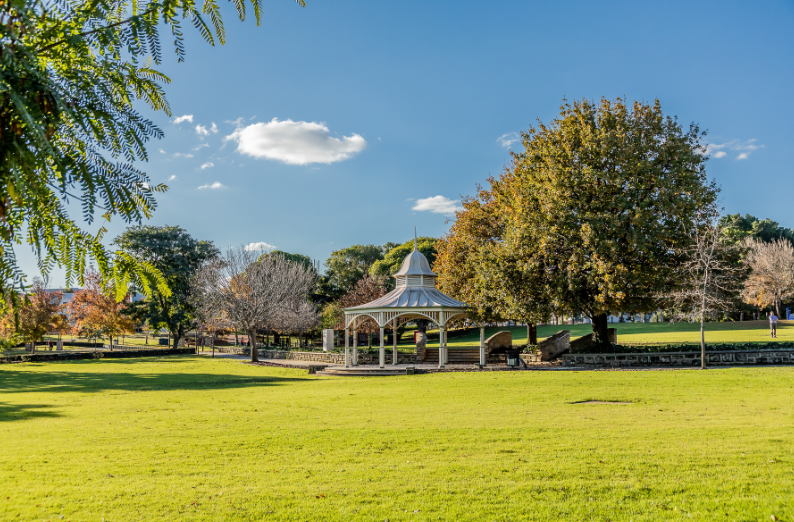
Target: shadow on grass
{"type": "Point", "coordinates": [14, 412]}
{"type": "Point", "coordinates": [51, 380]}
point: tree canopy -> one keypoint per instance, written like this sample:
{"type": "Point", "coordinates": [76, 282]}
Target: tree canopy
{"type": "Point", "coordinates": [71, 74]}
{"type": "Point", "coordinates": [347, 266]}
{"type": "Point", "coordinates": [177, 255]}
{"type": "Point", "coordinates": [736, 227]}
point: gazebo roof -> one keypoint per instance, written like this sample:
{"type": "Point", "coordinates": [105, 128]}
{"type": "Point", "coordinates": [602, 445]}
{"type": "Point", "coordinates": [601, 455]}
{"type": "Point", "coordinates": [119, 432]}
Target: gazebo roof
{"type": "Point", "coordinates": [409, 297]}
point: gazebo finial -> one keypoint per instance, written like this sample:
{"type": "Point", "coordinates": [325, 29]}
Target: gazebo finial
{"type": "Point", "coordinates": [415, 238]}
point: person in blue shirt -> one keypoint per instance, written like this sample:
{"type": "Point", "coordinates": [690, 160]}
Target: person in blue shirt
{"type": "Point", "coordinates": [773, 324]}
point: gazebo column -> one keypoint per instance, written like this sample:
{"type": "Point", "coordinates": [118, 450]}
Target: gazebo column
{"type": "Point", "coordinates": [394, 342]}
{"type": "Point", "coordinates": [482, 346]}
{"type": "Point", "coordinates": [347, 350]}
{"type": "Point", "coordinates": [441, 350]}
{"type": "Point", "coordinates": [355, 347]}
{"type": "Point", "coordinates": [382, 359]}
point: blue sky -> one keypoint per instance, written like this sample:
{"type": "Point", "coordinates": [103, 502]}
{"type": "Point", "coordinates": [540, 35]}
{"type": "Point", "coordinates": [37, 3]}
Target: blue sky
{"type": "Point", "coordinates": [324, 126]}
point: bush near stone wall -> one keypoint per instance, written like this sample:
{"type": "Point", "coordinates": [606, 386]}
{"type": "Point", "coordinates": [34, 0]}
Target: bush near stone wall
{"type": "Point", "coordinates": [663, 348]}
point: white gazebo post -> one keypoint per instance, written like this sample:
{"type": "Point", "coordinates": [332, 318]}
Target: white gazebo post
{"type": "Point", "coordinates": [382, 359]}
{"type": "Point", "coordinates": [347, 350]}
{"type": "Point", "coordinates": [482, 346]}
{"type": "Point", "coordinates": [394, 342]}
{"type": "Point", "coordinates": [440, 346]}
{"type": "Point", "coordinates": [355, 346]}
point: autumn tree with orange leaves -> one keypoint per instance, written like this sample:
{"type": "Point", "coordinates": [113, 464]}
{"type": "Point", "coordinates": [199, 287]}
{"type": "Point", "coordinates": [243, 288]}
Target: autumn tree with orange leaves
{"type": "Point", "coordinates": [96, 313]}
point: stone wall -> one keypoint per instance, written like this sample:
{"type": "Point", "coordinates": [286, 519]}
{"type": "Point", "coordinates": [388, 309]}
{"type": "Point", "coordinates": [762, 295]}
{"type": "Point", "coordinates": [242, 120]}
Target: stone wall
{"type": "Point", "coordinates": [499, 341]}
{"type": "Point", "coordinates": [557, 344]}
{"type": "Point", "coordinates": [325, 357]}
{"type": "Point", "coordinates": [679, 359]}
{"type": "Point", "coordinates": [71, 356]}
{"type": "Point", "coordinates": [577, 345]}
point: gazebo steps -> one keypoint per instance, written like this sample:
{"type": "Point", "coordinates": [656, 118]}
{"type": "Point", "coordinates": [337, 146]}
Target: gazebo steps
{"type": "Point", "coordinates": [454, 356]}
{"type": "Point", "coordinates": [358, 371]}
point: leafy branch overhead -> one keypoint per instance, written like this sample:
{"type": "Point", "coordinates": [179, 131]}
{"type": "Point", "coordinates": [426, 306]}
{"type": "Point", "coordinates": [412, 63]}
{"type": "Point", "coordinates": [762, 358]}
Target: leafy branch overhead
{"type": "Point", "coordinates": [71, 74]}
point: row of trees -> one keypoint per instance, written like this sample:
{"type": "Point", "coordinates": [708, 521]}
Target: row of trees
{"type": "Point", "coordinates": [93, 312]}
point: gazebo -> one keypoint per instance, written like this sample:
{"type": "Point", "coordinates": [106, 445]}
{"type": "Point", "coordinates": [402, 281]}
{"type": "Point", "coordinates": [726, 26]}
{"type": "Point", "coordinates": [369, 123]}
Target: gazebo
{"type": "Point", "coordinates": [415, 297]}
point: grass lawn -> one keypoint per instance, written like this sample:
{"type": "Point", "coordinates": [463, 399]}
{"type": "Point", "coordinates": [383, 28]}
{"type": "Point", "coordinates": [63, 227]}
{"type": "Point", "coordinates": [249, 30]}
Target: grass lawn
{"type": "Point", "coordinates": [649, 333]}
{"type": "Point", "coordinates": [193, 438]}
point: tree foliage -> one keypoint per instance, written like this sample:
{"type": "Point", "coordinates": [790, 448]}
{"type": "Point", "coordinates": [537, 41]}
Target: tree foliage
{"type": "Point", "coordinates": [71, 74]}
{"type": "Point", "coordinates": [347, 266]}
{"type": "Point", "coordinates": [735, 228]}
{"type": "Point", "coordinates": [177, 255]}
{"type": "Point", "coordinates": [40, 312]}
{"type": "Point", "coordinates": [95, 312]}
{"type": "Point", "coordinates": [771, 280]}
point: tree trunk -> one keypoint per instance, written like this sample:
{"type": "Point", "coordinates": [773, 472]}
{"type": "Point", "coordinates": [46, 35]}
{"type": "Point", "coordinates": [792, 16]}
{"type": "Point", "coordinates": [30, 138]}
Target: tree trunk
{"type": "Point", "coordinates": [177, 337]}
{"type": "Point", "coordinates": [600, 329]}
{"type": "Point", "coordinates": [702, 343]}
{"type": "Point", "coordinates": [532, 334]}
{"type": "Point", "coordinates": [777, 307]}
{"type": "Point", "coordinates": [254, 353]}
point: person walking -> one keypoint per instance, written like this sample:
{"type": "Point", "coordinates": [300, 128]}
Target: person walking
{"type": "Point", "coordinates": [773, 324]}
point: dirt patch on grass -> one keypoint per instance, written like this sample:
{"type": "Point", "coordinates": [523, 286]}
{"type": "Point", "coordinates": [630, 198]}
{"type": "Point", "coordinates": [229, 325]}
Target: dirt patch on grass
{"type": "Point", "coordinates": [601, 402]}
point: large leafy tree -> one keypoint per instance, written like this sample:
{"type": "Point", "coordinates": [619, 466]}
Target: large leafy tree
{"type": "Point", "coordinates": [601, 201]}
{"type": "Point", "coordinates": [71, 74]}
{"type": "Point", "coordinates": [347, 266]}
{"type": "Point", "coordinates": [177, 255]}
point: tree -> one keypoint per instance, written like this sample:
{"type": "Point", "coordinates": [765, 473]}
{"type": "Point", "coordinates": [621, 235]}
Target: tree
{"type": "Point", "coordinates": [40, 313]}
{"type": "Point", "coordinates": [250, 292]}
{"type": "Point", "coordinates": [94, 311]}
{"type": "Point", "coordinates": [177, 256]}
{"type": "Point", "coordinates": [367, 289]}
{"type": "Point", "coordinates": [709, 279]}
{"type": "Point", "coordinates": [735, 228]}
{"type": "Point", "coordinates": [348, 265]}
{"type": "Point", "coordinates": [771, 279]}
{"type": "Point", "coordinates": [600, 201]}
{"type": "Point", "coordinates": [393, 259]}
{"type": "Point", "coordinates": [295, 258]}
{"type": "Point", "coordinates": [71, 74]}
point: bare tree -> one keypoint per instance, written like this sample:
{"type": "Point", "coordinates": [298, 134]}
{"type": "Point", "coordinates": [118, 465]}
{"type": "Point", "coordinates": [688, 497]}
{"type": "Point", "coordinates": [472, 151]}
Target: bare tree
{"type": "Point", "coordinates": [251, 291]}
{"type": "Point", "coordinates": [709, 279]}
{"type": "Point", "coordinates": [771, 279]}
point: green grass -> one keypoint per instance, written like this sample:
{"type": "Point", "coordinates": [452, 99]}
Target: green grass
{"type": "Point", "coordinates": [649, 333]}
{"type": "Point", "coordinates": [198, 439]}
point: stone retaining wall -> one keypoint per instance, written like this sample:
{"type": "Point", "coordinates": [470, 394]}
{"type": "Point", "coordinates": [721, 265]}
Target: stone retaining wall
{"type": "Point", "coordinates": [678, 359]}
{"type": "Point", "coordinates": [116, 354]}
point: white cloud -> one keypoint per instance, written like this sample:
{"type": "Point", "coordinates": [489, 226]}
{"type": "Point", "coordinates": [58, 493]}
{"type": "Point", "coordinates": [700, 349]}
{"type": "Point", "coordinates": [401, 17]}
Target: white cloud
{"type": "Point", "coordinates": [743, 147]}
{"type": "Point", "coordinates": [201, 146]}
{"type": "Point", "coordinates": [201, 130]}
{"type": "Point", "coordinates": [505, 140]}
{"type": "Point", "coordinates": [207, 165]}
{"type": "Point", "coordinates": [172, 178]}
{"type": "Point", "coordinates": [437, 205]}
{"type": "Point", "coordinates": [180, 155]}
{"type": "Point", "coordinates": [214, 186]}
{"type": "Point", "coordinates": [187, 117]}
{"type": "Point", "coordinates": [214, 128]}
{"type": "Point", "coordinates": [295, 142]}
{"type": "Point", "coordinates": [162, 151]}
{"type": "Point", "coordinates": [258, 247]}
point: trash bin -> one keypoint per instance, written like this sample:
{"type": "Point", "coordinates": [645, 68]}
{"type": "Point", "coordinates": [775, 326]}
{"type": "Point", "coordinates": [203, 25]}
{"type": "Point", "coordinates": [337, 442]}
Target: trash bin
{"type": "Point", "coordinates": [163, 341]}
{"type": "Point", "coordinates": [513, 359]}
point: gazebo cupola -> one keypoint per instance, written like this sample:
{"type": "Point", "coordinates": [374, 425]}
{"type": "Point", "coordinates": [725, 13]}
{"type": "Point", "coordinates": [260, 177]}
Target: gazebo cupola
{"type": "Point", "coordinates": [415, 272]}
